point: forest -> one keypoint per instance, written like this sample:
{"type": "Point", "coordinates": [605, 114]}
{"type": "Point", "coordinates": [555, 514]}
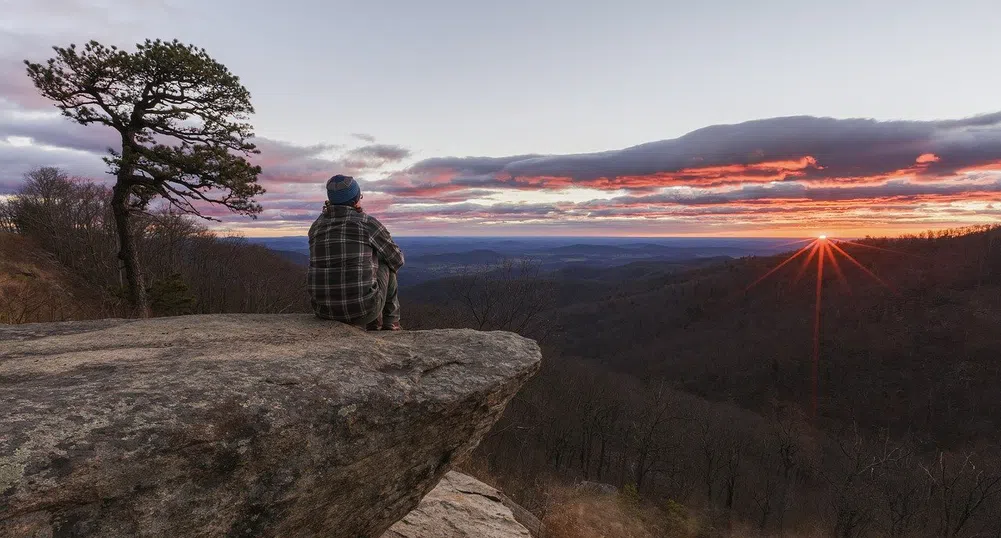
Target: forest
{"type": "Point", "coordinates": [687, 391]}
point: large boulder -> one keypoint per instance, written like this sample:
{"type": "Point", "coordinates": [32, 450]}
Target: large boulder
{"type": "Point", "coordinates": [238, 425]}
{"type": "Point", "coordinates": [461, 507]}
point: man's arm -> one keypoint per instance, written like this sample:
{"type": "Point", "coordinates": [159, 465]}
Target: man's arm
{"type": "Point", "coordinates": [389, 253]}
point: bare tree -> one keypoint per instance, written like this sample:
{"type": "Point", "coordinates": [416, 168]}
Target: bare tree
{"type": "Point", "coordinates": [649, 439]}
{"type": "Point", "coordinates": [850, 480]}
{"type": "Point", "coordinates": [962, 489]}
{"type": "Point", "coordinates": [512, 297]}
{"type": "Point", "coordinates": [69, 218]}
{"type": "Point", "coordinates": [7, 224]}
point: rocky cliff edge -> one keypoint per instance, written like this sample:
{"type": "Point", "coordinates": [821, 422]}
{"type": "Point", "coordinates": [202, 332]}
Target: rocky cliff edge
{"type": "Point", "coordinates": [238, 425]}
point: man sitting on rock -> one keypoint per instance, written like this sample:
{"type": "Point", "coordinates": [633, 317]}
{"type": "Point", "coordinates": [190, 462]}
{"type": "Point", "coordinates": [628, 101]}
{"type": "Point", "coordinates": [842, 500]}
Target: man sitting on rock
{"type": "Point", "coordinates": [352, 262]}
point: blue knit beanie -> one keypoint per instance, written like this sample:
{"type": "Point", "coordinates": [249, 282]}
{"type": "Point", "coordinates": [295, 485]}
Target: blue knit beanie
{"type": "Point", "coordinates": [342, 190]}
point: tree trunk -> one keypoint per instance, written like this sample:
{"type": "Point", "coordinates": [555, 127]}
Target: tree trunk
{"type": "Point", "coordinates": [127, 250]}
{"type": "Point", "coordinates": [766, 509]}
{"type": "Point", "coordinates": [601, 459]}
{"type": "Point", "coordinates": [640, 468]}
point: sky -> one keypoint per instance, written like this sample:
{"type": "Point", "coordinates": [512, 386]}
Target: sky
{"type": "Point", "coordinates": [555, 117]}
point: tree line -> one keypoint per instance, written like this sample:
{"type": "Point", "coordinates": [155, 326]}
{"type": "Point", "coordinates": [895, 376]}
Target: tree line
{"type": "Point", "coordinates": [187, 268]}
{"type": "Point", "coordinates": [737, 473]}
{"type": "Point", "coordinates": [734, 469]}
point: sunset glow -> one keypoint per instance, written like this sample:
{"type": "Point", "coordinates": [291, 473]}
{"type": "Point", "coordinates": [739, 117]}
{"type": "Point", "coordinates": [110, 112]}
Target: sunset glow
{"type": "Point", "coordinates": [448, 160]}
{"type": "Point", "coordinates": [665, 188]}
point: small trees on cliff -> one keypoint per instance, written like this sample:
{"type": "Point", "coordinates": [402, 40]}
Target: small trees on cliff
{"type": "Point", "coordinates": [182, 118]}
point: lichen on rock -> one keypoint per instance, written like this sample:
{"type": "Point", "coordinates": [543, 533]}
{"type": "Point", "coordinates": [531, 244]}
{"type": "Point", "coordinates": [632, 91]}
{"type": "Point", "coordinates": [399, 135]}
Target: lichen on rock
{"type": "Point", "coordinates": [238, 425]}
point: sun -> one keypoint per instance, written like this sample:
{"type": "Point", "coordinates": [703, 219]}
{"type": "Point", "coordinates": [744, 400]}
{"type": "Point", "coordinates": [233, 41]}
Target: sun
{"type": "Point", "coordinates": [826, 252]}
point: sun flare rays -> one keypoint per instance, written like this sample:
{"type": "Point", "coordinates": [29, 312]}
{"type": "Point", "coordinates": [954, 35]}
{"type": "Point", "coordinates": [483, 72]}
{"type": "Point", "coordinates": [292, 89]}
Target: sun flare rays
{"type": "Point", "coordinates": [823, 251]}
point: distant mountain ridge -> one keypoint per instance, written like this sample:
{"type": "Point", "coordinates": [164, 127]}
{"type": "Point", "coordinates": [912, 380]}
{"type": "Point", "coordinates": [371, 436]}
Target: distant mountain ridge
{"type": "Point", "coordinates": [429, 258]}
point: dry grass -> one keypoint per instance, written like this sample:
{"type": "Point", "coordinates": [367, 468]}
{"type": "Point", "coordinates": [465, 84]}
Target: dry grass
{"type": "Point", "coordinates": [34, 287]}
{"type": "Point", "coordinates": [569, 512]}
{"type": "Point", "coordinates": [588, 515]}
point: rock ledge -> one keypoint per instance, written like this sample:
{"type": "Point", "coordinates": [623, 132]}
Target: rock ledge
{"type": "Point", "coordinates": [238, 425]}
{"type": "Point", "coordinates": [462, 507]}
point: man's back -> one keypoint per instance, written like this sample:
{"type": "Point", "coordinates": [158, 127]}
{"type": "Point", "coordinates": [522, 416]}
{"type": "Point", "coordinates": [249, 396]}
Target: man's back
{"type": "Point", "coordinates": [346, 247]}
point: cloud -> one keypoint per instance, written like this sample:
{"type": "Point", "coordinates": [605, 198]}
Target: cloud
{"type": "Point", "coordinates": [51, 130]}
{"type": "Point", "coordinates": [773, 174]}
{"type": "Point", "coordinates": [375, 156]}
{"type": "Point", "coordinates": [896, 189]}
{"type": "Point", "coordinates": [800, 148]}
{"type": "Point", "coordinates": [447, 174]}
{"type": "Point", "coordinates": [384, 152]}
{"type": "Point", "coordinates": [29, 139]}
{"type": "Point", "coordinates": [282, 161]}
{"type": "Point", "coordinates": [289, 168]}
{"type": "Point", "coordinates": [16, 159]}
{"type": "Point", "coordinates": [15, 86]}
{"type": "Point", "coordinates": [17, 89]}
{"type": "Point", "coordinates": [29, 29]}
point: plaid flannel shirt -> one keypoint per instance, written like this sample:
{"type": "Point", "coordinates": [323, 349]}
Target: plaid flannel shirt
{"type": "Point", "coordinates": [345, 247]}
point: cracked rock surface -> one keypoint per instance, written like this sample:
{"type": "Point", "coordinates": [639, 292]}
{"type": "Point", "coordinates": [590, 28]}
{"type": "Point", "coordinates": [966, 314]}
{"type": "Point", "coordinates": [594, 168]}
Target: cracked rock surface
{"type": "Point", "coordinates": [238, 425]}
{"type": "Point", "coordinates": [460, 507]}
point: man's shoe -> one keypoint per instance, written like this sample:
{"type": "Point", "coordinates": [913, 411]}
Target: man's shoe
{"type": "Point", "coordinates": [373, 326]}
{"type": "Point", "coordinates": [394, 326]}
